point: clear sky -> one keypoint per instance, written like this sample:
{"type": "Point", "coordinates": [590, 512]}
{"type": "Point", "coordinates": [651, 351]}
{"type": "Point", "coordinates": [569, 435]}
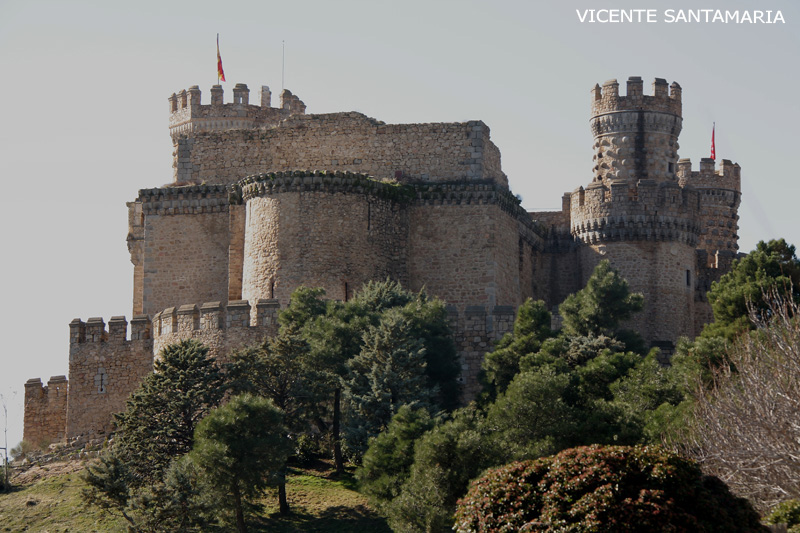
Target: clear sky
{"type": "Point", "coordinates": [83, 115]}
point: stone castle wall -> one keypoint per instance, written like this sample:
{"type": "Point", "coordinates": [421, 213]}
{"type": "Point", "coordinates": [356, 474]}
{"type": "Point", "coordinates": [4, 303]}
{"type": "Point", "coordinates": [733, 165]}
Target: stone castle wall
{"type": "Point", "coordinates": [340, 141]}
{"type": "Point", "coordinates": [334, 232]}
{"type": "Point", "coordinates": [46, 410]}
{"type": "Point", "coordinates": [104, 369]}
{"type": "Point", "coordinates": [221, 327]}
{"type": "Point", "coordinates": [184, 249]}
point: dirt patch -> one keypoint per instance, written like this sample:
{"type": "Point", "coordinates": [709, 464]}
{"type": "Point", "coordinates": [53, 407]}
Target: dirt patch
{"type": "Point", "coordinates": [37, 472]}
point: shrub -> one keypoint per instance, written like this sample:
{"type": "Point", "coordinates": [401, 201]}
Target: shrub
{"type": "Point", "coordinates": [597, 488]}
{"type": "Point", "coordinates": [787, 513]}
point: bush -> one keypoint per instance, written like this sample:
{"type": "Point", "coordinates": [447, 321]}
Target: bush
{"type": "Point", "coordinates": [597, 488]}
{"type": "Point", "coordinates": [787, 513]}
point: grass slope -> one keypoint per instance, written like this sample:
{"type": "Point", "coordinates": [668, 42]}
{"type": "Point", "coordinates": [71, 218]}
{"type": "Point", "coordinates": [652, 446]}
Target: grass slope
{"type": "Point", "coordinates": [51, 502]}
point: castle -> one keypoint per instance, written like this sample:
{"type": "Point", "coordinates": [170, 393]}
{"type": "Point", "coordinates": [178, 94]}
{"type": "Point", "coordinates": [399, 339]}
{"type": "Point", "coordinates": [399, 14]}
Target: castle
{"type": "Point", "coordinates": [218, 252]}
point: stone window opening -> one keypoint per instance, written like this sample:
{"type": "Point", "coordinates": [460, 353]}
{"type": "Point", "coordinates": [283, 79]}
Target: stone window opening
{"type": "Point", "coordinates": [688, 278]}
{"type": "Point", "coordinates": [346, 292]}
{"type": "Point", "coordinates": [272, 289]}
{"type": "Point", "coordinates": [101, 380]}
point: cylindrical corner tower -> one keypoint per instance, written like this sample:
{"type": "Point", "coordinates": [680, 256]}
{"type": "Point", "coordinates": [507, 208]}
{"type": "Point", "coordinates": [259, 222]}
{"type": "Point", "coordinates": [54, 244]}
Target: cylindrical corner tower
{"type": "Point", "coordinates": [321, 229]}
{"type": "Point", "coordinates": [635, 213]}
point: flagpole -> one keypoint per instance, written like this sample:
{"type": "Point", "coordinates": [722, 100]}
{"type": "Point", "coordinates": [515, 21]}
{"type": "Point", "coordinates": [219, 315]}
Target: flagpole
{"type": "Point", "coordinates": [283, 64]}
{"type": "Point", "coordinates": [218, 58]}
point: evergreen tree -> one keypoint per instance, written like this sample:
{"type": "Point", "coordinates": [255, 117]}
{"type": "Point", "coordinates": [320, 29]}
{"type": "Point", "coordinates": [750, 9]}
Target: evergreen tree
{"type": "Point", "coordinates": [388, 373]}
{"type": "Point", "coordinates": [387, 463]}
{"type": "Point", "coordinates": [159, 421]}
{"type": "Point", "coordinates": [531, 328]}
{"type": "Point", "coordinates": [772, 266]}
{"type": "Point", "coordinates": [238, 446]}
{"type": "Point", "coordinates": [156, 428]}
{"type": "Point", "coordinates": [598, 308]}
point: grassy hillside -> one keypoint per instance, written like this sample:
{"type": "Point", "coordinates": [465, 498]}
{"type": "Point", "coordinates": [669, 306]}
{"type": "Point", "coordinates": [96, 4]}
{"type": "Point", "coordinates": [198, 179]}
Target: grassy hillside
{"type": "Point", "coordinates": [48, 499]}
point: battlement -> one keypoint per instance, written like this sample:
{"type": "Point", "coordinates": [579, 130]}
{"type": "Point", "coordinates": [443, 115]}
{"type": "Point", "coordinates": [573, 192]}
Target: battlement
{"type": "Point", "coordinates": [649, 210]}
{"type": "Point", "coordinates": [94, 330]}
{"type": "Point", "coordinates": [215, 316]}
{"type": "Point", "coordinates": [260, 185]}
{"type": "Point", "coordinates": [729, 175]}
{"type": "Point", "coordinates": [665, 98]}
{"type": "Point", "coordinates": [188, 114]}
{"type": "Point", "coordinates": [191, 199]}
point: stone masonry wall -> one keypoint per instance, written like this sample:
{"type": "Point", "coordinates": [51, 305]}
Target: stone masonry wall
{"type": "Point", "coordinates": [664, 272]}
{"type": "Point", "coordinates": [185, 248]}
{"type": "Point", "coordinates": [348, 142]}
{"type": "Point", "coordinates": [322, 231]}
{"type": "Point", "coordinates": [45, 410]}
{"type": "Point", "coordinates": [476, 329]}
{"type": "Point", "coordinates": [464, 244]}
{"type": "Point", "coordinates": [104, 369]}
{"type": "Point", "coordinates": [223, 328]}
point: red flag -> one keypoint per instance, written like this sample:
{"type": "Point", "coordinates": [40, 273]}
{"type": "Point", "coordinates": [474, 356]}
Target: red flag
{"type": "Point", "coordinates": [220, 72]}
{"type": "Point", "coordinates": [713, 147]}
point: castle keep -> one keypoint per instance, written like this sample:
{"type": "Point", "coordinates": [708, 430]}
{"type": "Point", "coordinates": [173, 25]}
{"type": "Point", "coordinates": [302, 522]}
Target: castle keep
{"type": "Point", "coordinates": [219, 251]}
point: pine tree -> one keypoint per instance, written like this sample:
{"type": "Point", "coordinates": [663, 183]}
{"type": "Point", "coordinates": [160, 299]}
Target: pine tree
{"type": "Point", "coordinates": [388, 373]}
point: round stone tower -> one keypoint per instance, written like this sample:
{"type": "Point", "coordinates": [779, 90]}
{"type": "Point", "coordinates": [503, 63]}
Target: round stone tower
{"type": "Point", "coordinates": [636, 136]}
{"type": "Point", "coordinates": [635, 212]}
{"type": "Point", "coordinates": [335, 230]}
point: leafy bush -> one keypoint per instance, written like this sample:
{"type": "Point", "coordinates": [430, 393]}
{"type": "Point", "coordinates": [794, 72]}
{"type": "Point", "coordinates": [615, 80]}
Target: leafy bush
{"type": "Point", "coordinates": [787, 513]}
{"type": "Point", "coordinates": [597, 488]}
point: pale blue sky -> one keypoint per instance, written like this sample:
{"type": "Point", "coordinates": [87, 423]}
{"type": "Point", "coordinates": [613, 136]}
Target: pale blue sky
{"type": "Point", "coordinates": [84, 115]}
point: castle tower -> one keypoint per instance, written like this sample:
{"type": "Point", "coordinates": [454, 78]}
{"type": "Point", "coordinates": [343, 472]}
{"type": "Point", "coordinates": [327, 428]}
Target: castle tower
{"type": "Point", "coordinates": [635, 213]}
{"type": "Point", "coordinates": [636, 136]}
{"type": "Point", "coordinates": [189, 118]}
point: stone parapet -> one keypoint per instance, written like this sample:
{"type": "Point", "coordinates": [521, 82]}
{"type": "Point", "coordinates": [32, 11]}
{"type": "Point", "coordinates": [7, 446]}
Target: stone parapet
{"type": "Point", "coordinates": [188, 115]}
{"type": "Point", "coordinates": [186, 200]}
{"type": "Point", "coordinates": [264, 185]}
{"type": "Point", "coordinates": [649, 211]}
{"type": "Point", "coordinates": [665, 99]}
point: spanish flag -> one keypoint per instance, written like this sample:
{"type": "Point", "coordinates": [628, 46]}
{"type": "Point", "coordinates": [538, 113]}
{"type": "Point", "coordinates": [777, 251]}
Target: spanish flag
{"type": "Point", "coordinates": [220, 72]}
{"type": "Point", "coordinates": [713, 144]}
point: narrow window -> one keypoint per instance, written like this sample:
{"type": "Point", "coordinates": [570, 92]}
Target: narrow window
{"type": "Point", "coordinates": [101, 380]}
{"type": "Point", "coordinates": [272, 289]}
{"type": "Point", "coordinates": [688, 278]}
{"type": "Point", "coordinates": [346, 290]}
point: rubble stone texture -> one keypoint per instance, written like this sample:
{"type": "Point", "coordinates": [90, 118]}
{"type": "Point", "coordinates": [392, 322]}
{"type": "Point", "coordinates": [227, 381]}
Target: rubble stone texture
{"type": "Point", "coordinates": [218, 252]}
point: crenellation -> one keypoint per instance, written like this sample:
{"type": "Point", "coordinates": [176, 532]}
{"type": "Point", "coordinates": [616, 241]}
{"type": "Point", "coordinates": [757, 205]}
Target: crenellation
{"type": "Point", "coordinates": [117, 329]}
{"type": "Point", "coordinates": [96, 330]}
{"type": "Point", "coordinates": [608, 100]}
{"type": "Point", "coordinates": [212, 316]}
{"type": "Point", "coordinates": [188, 317]}
{"type": "Point", "coordinates": [241, 94]}
{"type": "Point", "coordinates": [238, 314]}
{"type": "Point", "coordinates": [140, 328]}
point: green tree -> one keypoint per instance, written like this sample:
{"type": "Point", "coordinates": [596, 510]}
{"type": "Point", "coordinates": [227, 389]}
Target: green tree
{"type": "Point", "coordinates": [388, 373]}
{"type": "Point", "coordinates": [531, 329]}
{"type": "Point", "coordinates": [238, 446]}
{"type": "Point", "coordinates": [598, 308]}
{"type": "Point", "coordinates": [157, 426]}
{"type": "Point", "coordinates": [387, 463]}
{"type": "Point", "coordinates": [276, 370]}
{"type": "Point", "coordinates": [772, 266]}
{"type": "Point", "coordinates": [445, 459]}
